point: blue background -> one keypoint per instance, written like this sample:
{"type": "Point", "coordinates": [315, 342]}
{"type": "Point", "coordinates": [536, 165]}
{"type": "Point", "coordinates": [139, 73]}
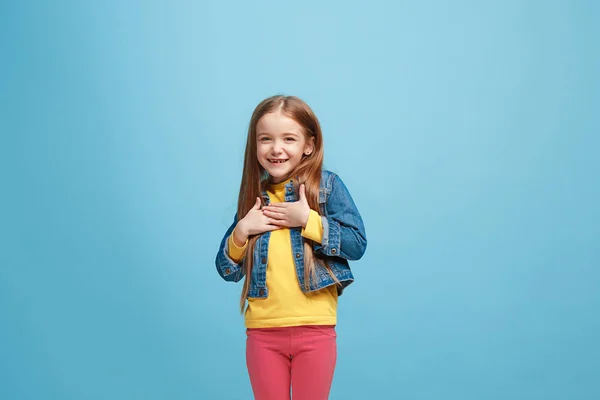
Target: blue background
{"type": "Point", "coordinates": [466, 131]}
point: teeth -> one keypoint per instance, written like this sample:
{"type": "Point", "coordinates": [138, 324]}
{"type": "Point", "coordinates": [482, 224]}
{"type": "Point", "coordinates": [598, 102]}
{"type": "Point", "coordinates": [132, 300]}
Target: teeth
{"type": "Point", "coordinates": [278, 161]}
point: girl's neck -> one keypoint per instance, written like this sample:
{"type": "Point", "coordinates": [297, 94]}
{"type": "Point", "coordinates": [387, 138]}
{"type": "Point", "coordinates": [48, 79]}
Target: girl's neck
{"type": "Point", "coordinates": [279, 184]}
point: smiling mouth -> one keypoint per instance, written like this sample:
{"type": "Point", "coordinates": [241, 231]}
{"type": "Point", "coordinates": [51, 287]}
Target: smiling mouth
{"type": "Point", "coordinates": [272, 161]}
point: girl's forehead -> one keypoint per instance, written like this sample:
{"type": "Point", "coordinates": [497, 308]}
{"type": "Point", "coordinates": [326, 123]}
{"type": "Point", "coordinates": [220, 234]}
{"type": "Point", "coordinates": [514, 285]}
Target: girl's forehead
{"type": "Point", "coordinates": [277, 122]}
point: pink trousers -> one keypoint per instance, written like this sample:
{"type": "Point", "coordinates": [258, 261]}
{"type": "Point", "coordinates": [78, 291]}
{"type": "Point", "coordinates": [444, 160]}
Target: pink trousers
{"type": "Point", "coordinates": [299, 357]}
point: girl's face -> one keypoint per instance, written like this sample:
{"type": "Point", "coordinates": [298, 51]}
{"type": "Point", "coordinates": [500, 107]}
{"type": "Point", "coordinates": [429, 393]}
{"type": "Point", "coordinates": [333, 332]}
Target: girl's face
{"type": "Point", "coordinates": [281, 144]}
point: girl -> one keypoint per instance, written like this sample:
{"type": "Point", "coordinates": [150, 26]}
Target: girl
{"type": "Point", "coordinates": [295, 229]}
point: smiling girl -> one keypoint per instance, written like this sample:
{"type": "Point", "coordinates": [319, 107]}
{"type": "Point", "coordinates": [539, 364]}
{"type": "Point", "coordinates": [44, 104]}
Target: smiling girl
{"type": "Point", "coordinates": [295, 230]}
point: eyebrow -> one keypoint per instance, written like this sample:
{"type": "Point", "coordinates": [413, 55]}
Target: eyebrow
{"type": "Point", "coordinates": [284, 134]}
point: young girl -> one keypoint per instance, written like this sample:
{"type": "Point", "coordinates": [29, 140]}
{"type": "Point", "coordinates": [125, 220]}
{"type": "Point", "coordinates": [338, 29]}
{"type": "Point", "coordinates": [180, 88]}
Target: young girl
{"type": "Point", "coordinates": [295, 229]}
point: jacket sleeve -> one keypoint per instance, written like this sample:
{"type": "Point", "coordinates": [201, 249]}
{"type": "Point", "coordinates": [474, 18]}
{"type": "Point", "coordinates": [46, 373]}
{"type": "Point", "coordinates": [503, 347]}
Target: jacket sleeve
{"type": "Point", "coordinates": [343, 228]}
{"type": "Point", "coordinates": [227, 268]}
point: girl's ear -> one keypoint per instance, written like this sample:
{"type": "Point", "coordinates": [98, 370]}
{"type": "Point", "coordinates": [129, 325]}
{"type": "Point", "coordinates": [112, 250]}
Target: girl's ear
{"type": "Point", "coordinates": [309, 147]}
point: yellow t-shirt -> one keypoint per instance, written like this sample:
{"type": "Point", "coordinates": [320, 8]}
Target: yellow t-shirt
{"type": "Point", "coordinates": [287, 304]}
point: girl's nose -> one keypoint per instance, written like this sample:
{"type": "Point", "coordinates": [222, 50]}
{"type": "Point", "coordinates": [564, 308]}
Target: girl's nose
{"type": "Point", "coordinates": [277, 147]}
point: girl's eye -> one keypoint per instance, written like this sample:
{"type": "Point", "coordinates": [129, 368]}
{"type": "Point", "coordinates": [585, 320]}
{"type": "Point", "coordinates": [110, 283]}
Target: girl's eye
{"type": "Point", "coordinates": [290, 139]}
{"type": "Point", "coordinates": [264, 139]}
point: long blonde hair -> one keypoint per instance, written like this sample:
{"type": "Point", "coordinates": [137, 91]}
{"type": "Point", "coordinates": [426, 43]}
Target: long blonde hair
{"type": "Point", "coordinates": [308, 172]}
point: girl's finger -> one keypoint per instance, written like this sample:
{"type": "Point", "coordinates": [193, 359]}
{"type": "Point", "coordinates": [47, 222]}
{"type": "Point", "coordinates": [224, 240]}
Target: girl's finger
{"type": "Point", "coordinates": [277, 205]}
{"type": "Point", "coordinates": [278, 222]}
{"type": "Point", "coordinates": [269, 215]}
{"type": "Point", "coordinates": [271, 221]}
{"type": "Point", "coordinates": [273, 214]}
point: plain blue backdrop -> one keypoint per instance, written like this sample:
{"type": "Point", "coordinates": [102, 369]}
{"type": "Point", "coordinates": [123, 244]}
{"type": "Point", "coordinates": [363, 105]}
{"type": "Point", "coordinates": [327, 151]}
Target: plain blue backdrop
{"type": "Point", "coordinates": [467, 132]}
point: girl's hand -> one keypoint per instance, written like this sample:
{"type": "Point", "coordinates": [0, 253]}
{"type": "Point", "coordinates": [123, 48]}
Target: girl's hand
{"type": "Point", "coordinates": [254, 223]}
{"type": "Point", "coordinates": [289, 215]}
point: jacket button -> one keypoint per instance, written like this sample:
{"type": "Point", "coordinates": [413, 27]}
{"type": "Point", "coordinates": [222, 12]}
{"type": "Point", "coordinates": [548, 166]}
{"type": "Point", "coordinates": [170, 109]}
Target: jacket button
{"type": "Point", "coordinates": [227, 270]}
{"type": "Point", "coordinates": [297, 255]}
{"type": "Point", "coordinates": [333, 251]}
{"type": "Point", "coordinates": [261, 292]}
{"type": "Point", "coordinates": [263, 260]}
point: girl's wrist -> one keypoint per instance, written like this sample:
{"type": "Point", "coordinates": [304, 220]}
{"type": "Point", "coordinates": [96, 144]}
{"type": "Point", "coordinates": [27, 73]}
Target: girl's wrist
{"type": "Point", "coordinates": [239, 235]}
{"type": "Point", "coordinates": [305, 218]}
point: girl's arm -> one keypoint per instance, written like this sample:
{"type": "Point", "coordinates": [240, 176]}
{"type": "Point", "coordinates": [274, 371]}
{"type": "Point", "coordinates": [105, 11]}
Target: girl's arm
{"type": "Point", "coordinates": [343, 229]}
{"type": "Point", "coordinates": [228, 268]}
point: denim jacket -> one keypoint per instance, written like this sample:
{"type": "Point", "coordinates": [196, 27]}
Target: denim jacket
{"type": "Point", "coordinates": [344, 239]}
